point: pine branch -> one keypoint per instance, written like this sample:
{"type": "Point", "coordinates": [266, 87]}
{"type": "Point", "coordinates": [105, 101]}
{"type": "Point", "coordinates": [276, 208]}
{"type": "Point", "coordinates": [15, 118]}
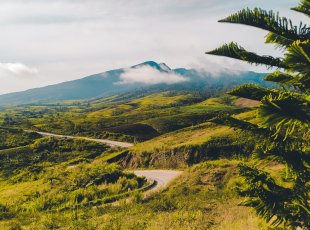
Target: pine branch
{"type": "Point", "coordinates": [297, 58]}
{"type": "Point", "coordinates": [289, 81]}
{"type": "Point", "coordinates": [304, 7]}
{"type": "Point", "coordinates": [304, 82]}
{"type": "Point", "coordinates": [284, 129]}
{"type": "Point", "coordinates": [271, 22]}
{"type": "Point", "coordinates": [285, 112]}
{"type": "Point", "coordinates": [280, 77]}
{"type": "Point", "coordinates": [280, 41]}
{"type": "Point", "coordinates": [233, 50]}
{"type": "Point", "coordinates": [252, 91]}
{"type": "Point", "coordinates": [268, 198]}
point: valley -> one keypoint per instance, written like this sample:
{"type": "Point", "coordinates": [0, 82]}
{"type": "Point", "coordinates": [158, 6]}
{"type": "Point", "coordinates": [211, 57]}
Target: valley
{"type": "Point", "coordinates": [64, 165]}
{"type": "Point", "coordinates": [216, 139]}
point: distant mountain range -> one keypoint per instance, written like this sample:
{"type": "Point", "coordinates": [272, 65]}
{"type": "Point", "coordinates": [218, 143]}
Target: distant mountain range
{"type": "Point", "coordinates": [112, 83]}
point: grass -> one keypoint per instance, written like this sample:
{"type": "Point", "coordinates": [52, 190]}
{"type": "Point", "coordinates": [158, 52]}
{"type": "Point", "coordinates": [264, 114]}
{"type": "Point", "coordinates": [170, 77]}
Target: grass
{"type": "Point", "coordinates": [192, 135]}
{"type": "Point", "coordinates": [208, 186]}
{"type": "Point", "coordinates": [137, 119]}
{"type": "Point", "coordinates": [49, 174]}
{"type": "Point", "coordinates": [188, 146]}
{"type": "Point", "coordinates": [39, 176]}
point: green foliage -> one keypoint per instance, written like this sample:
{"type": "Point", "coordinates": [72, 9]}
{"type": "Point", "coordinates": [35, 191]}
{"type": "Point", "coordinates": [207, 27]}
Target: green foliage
{"type": "Point", "coordinates": [297, 60]}
{"type": "Point", "coordinates": [278, 40]}
{"type": "Point", "coordinates": [281, 78]}
{"type": "Point", "coordinates": [251, 91]}
{"type": "Point", "coordinates": [10, 138]}
{"type": "Point", "coordinates": [303, 7]}
{"type": "Point", "coordinates": [64, 188]}
{"type": "Point", "coordinates": [226, 119]}
{"type": "Point", "coordinates": [129, 120]}
{"type": "Point", "coordinates": [179, 206]}
{"type": "Point", "coordinates": [271, 22]}
{"type": "Point", "coordinates": [285, 112]}
{"type": "Point", "coordinates": [190, 146]}
{"type": "Point", "coordinates": [283, 117]}
{"type": "Point", "coordinates": [233, 50]}
{"type": "Point", "coordinates": [20, 161]}
{"type": "Point", "coordinates": [5, 213]}
{"type": "Point", "coordinates": [271, 200]}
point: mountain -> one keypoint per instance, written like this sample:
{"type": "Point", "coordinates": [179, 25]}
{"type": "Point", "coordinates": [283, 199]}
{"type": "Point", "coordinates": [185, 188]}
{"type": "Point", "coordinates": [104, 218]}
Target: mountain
{"type": "Point", "coordinates": [109, 83]}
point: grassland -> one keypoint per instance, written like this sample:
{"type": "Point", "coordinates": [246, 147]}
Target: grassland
{"type": "Point", "coordinates": [135, 120]}
{"type": "Point", "coordinates": [203, 197]}
{"type": "Point", "coordinates": [49, 174]}
{"type": "Point", "coordinates": [48, 183]}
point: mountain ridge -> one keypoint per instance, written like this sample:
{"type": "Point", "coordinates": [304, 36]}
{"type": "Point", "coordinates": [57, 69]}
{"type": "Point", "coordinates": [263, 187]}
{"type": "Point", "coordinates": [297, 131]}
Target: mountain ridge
{"type": "Point", "coordinates": [104, 84]}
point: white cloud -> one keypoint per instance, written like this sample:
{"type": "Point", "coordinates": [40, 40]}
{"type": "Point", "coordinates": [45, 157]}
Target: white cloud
{"type": "Point", "coordinates": [150, 76]}
{"type": "Point", "coordinates": [215, 66]}
{"type": "Point", "coordinates": [17, 76]}
{"type": "Point", "coordinates": [8, 70]}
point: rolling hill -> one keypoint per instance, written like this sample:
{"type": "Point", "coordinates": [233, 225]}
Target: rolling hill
{"type": "Point", "coordinates": [61, 183]}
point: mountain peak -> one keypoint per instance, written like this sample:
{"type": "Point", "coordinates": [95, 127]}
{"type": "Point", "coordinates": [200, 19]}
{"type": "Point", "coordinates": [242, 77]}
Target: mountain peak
{"type": "Point", "coordinates": [148, 63]}
{"type": "Point", "coordinates": [155, 65]}
{"type": "Point", "coordinates": [164, 67]}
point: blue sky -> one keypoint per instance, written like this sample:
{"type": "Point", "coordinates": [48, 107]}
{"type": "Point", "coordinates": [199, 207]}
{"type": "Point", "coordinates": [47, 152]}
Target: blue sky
{"type": "Point", "coordinates": [45, 42]}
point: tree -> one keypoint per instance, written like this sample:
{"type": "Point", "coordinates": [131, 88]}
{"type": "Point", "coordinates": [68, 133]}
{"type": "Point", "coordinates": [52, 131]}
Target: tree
{"type": "Point", "coordinates": [7, 120]}
{"type": "Point", "coordinates": [283, 114]}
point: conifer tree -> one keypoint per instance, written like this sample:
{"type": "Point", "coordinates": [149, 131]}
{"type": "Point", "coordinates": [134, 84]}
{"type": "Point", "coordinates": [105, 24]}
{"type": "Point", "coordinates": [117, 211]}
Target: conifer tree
{"type": "Point", "coordinates": [283, 115]}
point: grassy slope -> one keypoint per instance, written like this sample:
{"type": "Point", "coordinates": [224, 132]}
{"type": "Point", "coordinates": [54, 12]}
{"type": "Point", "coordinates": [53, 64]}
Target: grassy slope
{"type": "Point", "coordinates": [191, 135]}
{"type": "Point", "coordinates": [189, 146]}
{"type": "Point", "coordinates": [202, 198]}
{"type": "Point", "coordinates": [132, 120]}
{"type": "Point", "coordinates": [49, 174]}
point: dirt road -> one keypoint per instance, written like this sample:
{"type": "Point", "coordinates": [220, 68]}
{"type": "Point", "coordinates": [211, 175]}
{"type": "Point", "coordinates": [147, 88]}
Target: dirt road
{"type": "Point", "coordinates": [162, 177]}
{"type": "Point", "coordinates": [112, 144]}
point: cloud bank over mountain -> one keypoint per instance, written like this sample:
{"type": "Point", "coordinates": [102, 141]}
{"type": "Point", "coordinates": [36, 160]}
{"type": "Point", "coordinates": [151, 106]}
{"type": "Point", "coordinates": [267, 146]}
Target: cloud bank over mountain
{"type": "Point", "coordinates": [145, 77]}
{"type": "Point", "coordinates": [150, 76]}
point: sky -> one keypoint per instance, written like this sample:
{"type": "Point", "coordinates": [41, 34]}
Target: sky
{"type": "Point", "coordinates": [45, 42]}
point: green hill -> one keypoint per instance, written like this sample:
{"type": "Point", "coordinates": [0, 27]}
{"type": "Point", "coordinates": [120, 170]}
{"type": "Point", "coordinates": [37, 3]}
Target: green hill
{"type": "Point", "coordinates": [49, 183]}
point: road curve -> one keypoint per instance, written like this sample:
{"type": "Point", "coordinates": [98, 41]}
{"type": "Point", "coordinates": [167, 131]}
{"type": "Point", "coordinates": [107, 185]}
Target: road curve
{"type": "Point", "coordinates": [162, 177]}
{"type": "Point", "coordinates": [112, 144]}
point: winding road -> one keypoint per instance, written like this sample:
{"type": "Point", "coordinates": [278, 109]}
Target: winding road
{"type": "Point", "coordinates": [162, 177]}
{"type": "Point", "coordinates": [112, 144]}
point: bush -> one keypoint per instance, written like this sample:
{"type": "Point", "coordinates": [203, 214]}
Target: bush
{"type": "Point", "coordinates": [5, 213]}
